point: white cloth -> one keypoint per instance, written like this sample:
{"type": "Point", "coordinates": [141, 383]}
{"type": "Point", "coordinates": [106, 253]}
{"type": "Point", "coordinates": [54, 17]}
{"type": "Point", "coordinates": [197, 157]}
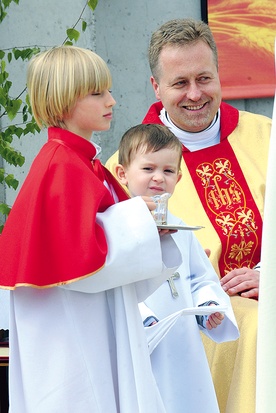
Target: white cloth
{"type": "Point", "coordinates": [179, 362]}
{"type": "Point", "coordinates": [157, 331]}
{"type": "Point", "coordinates": [266, 357]}
{"type": "Point", "coordinates": [194, 141]}
{"type": "Point", "coordinates": [4, 309]}
{"type": "Point", "coordinates": [74, 351]}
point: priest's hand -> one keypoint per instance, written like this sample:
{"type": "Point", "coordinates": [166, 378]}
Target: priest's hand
{"type": "Point", "coordinates": [214, 320]}
{"type": "Point", "coordinates": [207, 252]}
{"type": "Point", "coordinates": [243, 281]}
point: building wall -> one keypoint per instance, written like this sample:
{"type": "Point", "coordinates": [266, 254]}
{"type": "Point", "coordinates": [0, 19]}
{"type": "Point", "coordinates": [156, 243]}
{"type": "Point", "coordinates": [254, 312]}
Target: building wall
{"type": "Point", "coordinates": [119, 31]}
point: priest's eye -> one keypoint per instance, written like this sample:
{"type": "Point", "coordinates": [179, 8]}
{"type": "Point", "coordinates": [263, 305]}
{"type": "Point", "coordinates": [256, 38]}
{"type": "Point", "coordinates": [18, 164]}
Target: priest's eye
{"type": "Point", "coordinates": [181, 83]}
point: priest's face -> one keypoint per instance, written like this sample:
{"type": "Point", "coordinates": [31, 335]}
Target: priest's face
{"type": "Point", "coordinates": [188, 85]}
{"type": "Point", "coordinates": [152, 173]}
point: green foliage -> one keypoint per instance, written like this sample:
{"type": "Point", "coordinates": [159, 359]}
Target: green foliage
{"type": "Point", "coordinates": [4, 4]}
{"type": "Point", "coordinates": [73, 34]}
{"type": "Point", "coordinates": [16, 110]}
{"type": "Point", "coordinates": [92, 4]}
{"type": "Point", "coordinates": [9, 179]}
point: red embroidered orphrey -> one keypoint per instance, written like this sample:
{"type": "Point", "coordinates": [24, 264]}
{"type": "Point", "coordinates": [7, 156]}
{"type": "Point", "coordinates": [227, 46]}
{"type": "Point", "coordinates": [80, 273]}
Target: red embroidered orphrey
{"type": "Point", "coordinates": [229, 204]}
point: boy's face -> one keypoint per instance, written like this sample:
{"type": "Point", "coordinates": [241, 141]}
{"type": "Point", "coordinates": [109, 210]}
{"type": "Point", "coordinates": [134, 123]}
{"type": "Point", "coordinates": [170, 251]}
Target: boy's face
{"type": "Point", "coordinates": [91, 113]}
{"type": "Point", "coordinates": [152, 173]}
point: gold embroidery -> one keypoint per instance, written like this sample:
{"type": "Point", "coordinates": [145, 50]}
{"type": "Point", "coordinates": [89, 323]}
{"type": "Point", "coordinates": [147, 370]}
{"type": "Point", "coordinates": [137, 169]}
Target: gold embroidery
{"type": "Point", "coordinates": [241, 250]}
{"type": "Point", "coordinates": [234, 220]}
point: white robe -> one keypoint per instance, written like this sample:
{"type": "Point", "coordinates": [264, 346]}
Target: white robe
{"type": "Point", "coordinates": [4, 309]}
{"type": "Point", "coordinates": [179, 362]}
{"type": "Point", "coordinates": [82, 348]}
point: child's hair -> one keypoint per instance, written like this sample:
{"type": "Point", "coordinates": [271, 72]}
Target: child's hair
{"type": "Point", "coordinates": [149, 138]}
{"type": "Point", "coordinates": [57, 77]}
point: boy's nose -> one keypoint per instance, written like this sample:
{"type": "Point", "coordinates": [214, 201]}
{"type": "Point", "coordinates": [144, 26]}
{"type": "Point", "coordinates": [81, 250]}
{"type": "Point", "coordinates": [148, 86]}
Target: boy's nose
{"type": "Point", "coordinates": [110, 101]}
{"type": "Point", "coordinates": [158, 177]}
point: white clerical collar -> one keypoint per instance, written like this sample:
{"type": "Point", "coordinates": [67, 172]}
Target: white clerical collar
{"type": "Point", "coordinates": [194, 140]}
{"type": "Point", "coordinates": [109, 187]}
{"type": "Point", "coordinates": [98, 149]}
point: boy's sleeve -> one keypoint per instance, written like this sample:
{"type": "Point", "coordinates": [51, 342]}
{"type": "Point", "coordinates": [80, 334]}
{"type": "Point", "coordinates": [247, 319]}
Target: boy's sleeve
{"type": "Point", "coordinates": [148, 316]}
{"type": "Point", "coordinates": [206, 287]}
{"type": "Point", "coordinates": [135, 252]}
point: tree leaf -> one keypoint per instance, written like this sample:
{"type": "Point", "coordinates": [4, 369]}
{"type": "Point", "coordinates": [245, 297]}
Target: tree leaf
{"type": "Point", "coordinates": [73, 34]}
{"type": "Point", "coordinates": [13, 108]}
{"type": "Point", "coordinates": [84, 25]}
{"type": "Point", "coordinates": [11, 181]}
{"type": "Point", "coordinates": [92, 4]}
{"type": "Point", "coordinates": [4, 209]}
{"type": "Point", "coordinates": [2, 175]}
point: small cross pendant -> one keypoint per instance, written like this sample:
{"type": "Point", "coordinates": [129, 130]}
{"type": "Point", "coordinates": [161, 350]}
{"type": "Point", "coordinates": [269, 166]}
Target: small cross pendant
{"type": "Point", "coordinates": [173, 289]}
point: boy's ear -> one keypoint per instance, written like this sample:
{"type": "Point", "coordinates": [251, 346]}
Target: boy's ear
{"type": "Point", "coordinates": [120, 174]}
{"type": "Point", "coordinates": [179, 176]}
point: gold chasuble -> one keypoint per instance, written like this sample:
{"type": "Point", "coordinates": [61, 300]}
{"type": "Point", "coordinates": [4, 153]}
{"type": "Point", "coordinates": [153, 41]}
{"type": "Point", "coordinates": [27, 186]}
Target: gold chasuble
{"type": "Point", "coordinates": [223, 188]}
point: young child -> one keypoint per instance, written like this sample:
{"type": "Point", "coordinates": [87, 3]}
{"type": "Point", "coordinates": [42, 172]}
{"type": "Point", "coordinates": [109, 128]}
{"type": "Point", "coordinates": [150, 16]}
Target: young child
{"type": "Point", "coordinates": [76, 261]}
{"type": "Point", "coordinates": [149, 164]}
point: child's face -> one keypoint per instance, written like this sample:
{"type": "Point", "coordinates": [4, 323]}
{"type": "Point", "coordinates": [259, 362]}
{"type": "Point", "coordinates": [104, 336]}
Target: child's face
{"type": "Point", "coordinates": [152, 173]}
{"type": "Point", "coordinates": [91, 113]}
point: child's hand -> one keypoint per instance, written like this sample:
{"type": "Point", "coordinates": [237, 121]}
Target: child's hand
{"type": "Point", "coordinates": [214, 320]}
{"type": "Point", "coordinates": [166, 231]}
{"type": "Point", "coordinates": [154, 322]}
{"type": "Point", "coordinates": [150, 203]}
{"type": "Point", "coordinates": [151, 206]}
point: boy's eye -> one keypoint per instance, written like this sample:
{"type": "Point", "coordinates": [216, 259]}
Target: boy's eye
{"type": "Point", "coordinates": [169, 171]}
{"type": "Point", "coordinates": [101, 93]}
{"type": "Point", "coordinates": [147, 168]}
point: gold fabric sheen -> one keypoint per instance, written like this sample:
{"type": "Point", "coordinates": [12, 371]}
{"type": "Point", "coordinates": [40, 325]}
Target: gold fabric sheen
{"type": "Point", "coordinates": [233, 364]}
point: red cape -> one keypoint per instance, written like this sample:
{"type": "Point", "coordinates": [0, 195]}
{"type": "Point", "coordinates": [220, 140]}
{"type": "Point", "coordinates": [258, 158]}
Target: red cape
{"type": "Point", "coordinates": [51, 236]}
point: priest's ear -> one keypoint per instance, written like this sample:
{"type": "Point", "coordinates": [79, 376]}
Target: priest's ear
{"type": "Point", "coordinates": [120, 174]}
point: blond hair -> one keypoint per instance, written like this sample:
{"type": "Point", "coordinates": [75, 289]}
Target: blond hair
{"type": "Point", "coordinates": [57, 77]}
{"type": "Point", "coordinates": [176, 33]}
{"type": "Point", "coordinates": [148, 138]}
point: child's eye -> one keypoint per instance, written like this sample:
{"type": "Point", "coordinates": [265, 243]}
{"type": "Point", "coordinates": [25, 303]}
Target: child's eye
{"type": "Point", "coordinates": [147, 168]}
{"type": "Point", "coordinates": [169, 171]}
{"type": "Point", "coordinates": [101, 93]}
